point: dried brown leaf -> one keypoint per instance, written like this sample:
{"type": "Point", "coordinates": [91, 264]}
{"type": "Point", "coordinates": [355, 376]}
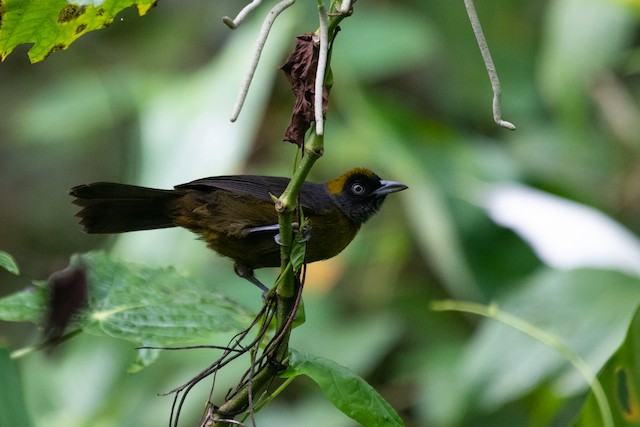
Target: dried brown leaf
{"type": "Point", "coordinates": [300, 70]}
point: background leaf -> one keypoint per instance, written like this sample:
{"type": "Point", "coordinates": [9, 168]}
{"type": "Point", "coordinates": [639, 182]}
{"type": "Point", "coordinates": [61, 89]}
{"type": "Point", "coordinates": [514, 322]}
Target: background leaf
{"type": "Point", "coordinates": [8, 263]}
{"type": "Point", "coordinates": [13, 408]}
{"type": "Point", "coordinates": [620, 379]}
{"type": "Point", "coordinates": [28, 305]}
{"type": "Point", "coordinates": [564, 234]}
{"type": "Point", "coordinates": [589, 310]}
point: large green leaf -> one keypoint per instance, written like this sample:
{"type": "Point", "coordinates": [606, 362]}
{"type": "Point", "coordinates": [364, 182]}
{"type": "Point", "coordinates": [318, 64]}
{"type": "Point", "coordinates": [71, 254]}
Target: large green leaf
{"type": "Point", "coordinates": [155, 305]}
{"type": "Point", "coordinates": [588, 310]}
{"type": "Point", "coordinates": [151, 306]}
{"type": "Point", "coordinates": [346, 390]}
{"type": "Point", "coordinates": [620, 379]}
{"type": "Point", "coordinates": [54, 24]}
{"type": "Point", "coordinates": [25, 306]}
{"type": "Point", "coordinates": [585, 311]}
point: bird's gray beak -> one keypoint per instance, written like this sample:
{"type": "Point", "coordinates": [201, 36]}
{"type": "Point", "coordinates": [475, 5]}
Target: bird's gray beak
{"type": "Point", "coordinates": [387, 187]}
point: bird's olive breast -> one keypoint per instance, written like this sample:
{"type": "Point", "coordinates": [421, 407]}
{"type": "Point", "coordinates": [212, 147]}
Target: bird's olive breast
{"type": "Point", "coordinates": [330, 234]}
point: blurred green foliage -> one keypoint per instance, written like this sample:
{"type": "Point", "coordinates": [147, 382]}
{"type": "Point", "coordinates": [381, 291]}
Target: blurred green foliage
{"type": "Point", "coordinates": [147, 101]}
{"type": "Point", "coordinates": [620, 380]}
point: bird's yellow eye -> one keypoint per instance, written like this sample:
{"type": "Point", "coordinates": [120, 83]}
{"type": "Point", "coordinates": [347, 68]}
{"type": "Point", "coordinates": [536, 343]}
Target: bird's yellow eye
{"type": "Point", "coordinates": [358, 189]}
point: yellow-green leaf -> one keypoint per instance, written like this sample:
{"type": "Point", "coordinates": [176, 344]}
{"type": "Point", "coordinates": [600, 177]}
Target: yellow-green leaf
{"type": "Point", "coordinates": [54, 24]}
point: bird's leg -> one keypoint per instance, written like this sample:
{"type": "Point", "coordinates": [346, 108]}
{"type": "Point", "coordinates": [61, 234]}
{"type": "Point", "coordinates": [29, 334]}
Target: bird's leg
{"type": "Point", "coordinates": [247, 274]}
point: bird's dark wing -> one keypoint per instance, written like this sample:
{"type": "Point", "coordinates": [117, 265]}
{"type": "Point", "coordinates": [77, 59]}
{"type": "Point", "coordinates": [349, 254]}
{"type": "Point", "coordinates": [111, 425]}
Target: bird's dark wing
{"type": "Point", "coordinates": [313, 197]}
{"type": "Point", "coordinates": [248, 185]}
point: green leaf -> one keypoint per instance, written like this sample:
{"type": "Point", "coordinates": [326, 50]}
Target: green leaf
{"type": "Point", "coordinates": [54, 24]}
{"type": "Point", "coordinates": [27, 305]}
{"type": "Point", "coordinates": [620, 379]}
{"type": "Point", "coordinates": [148, 306]}
{"type": "Point", "coordinates": [8, 263]}
{"type": "Point", "coordinates": [154, 306]}
{"type": "Point", "coordinates": [588, 310]}
{"type": "Point", "coordinates": [346, 390]}
{"type": "Point", "coordinates": [540, 335]}
{"type": "Point", "coordinates": [145, 357]}
{"type": "Point", "coordinates": [13, 409]}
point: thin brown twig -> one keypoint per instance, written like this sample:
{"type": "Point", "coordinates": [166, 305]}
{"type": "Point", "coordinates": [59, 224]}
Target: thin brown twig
{"type": "Point", "coordinates": [231, 353]}
{"type": "Point", "coordinates": [188, 347]}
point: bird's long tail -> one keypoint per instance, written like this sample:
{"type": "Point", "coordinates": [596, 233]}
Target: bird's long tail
{"type": "Point", "coordinates": [117, 208]}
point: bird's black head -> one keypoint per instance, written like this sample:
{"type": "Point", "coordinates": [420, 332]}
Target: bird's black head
{"type": "Point", "coordinates": [359, 192]}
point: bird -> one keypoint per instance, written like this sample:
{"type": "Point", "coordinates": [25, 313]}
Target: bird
{"type": "Point", "coordinates": [235, 214]}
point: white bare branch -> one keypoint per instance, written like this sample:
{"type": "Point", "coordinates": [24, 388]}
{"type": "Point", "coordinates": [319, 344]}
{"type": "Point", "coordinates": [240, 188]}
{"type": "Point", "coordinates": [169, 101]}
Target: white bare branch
{"type": "Point", "coordinates": [488, 63]}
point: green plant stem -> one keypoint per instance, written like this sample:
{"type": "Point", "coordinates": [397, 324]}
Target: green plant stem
{"type": "Point", "coordinates": [285, 206]}
{"type": "Point", "coordinates": [335, 17]}
{"type": "Point", "coordinates": [285, 292]}
{"type": "Point", "coordinates": [240, 400]}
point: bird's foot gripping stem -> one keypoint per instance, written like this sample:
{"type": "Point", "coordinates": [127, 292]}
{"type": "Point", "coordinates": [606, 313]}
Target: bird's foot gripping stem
{"type": "Point", "coordinates": [304, 234]}
{"type": "Point", "coordinates": [247, 274]}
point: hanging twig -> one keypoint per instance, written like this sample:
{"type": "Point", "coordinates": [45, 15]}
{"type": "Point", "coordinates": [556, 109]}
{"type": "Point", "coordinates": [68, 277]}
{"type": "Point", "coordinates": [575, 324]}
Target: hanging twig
{"type": "Point", "coordinates": [322, 67]}
{"type": "Point", "coordinates": [488, 63]}
{"type": "Point", "coordinates": [233, 23]}
{"type": "Point", "coordinates": [257, 51]}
